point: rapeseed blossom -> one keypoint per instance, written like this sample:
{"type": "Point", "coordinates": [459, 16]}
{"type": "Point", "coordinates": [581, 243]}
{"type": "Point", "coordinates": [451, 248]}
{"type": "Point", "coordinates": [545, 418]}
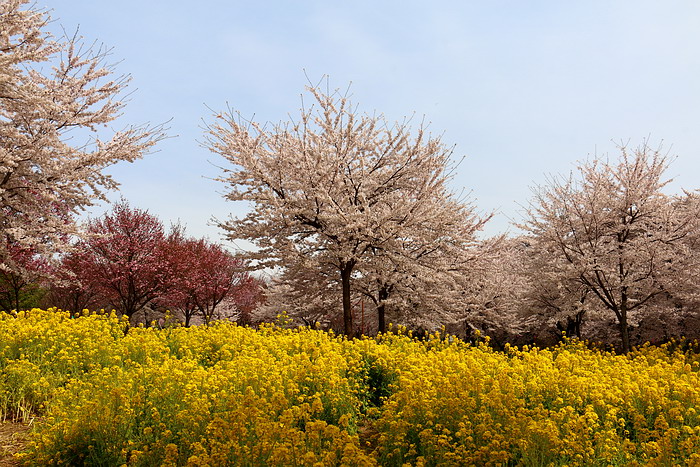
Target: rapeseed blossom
{"type": "Point", "coordinates": [230, 395]}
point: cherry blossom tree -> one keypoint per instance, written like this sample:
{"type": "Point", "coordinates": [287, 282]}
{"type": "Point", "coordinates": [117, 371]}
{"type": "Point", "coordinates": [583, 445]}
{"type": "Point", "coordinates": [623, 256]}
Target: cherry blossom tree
{"type": "Point", "coordinates": [420, 278]}
{"type": "Point", "coordinates": [332, 188]}
{"type": "Point", "coordinates": [417, 284]}
{"type": "Point", "coordinates": [685, 286]}
{"type": "Point", "coordinates": [492, 296]}
{"type": "Point", "coordinates": [614, 232]}
{"type": "Point", "coordinates": [56, 99]}
{"type": "Point", "coordinates": [557, 300]}
{"type": "Point", "coordinates": [306, 293]}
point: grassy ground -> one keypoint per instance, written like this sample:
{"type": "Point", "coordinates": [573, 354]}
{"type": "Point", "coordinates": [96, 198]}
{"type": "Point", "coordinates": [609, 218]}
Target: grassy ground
{"type": "Point", "coordinates": [12, 440]}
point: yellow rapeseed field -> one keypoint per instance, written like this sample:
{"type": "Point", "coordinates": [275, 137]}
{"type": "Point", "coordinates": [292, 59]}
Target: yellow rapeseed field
{"type": "Point", "coordinates": [101, 393]}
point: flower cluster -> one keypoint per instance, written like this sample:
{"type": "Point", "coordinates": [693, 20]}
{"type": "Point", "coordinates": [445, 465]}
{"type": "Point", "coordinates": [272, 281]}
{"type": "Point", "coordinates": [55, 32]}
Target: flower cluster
{"type": "Point", "coordinates": [220, 395]}
{"type": "Point", "coordinates": [229, 395]}
{"type": "Point", "coordinates": [569, 405]}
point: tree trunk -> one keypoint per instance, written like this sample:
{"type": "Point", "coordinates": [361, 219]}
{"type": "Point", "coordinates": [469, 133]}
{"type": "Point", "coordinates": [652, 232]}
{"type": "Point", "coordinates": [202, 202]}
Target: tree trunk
{"type": "Point", "coordinates": [624, 328]}
{"type": "Point", "coordinates": [345, 273]}
{"type": "Point", "coordinates": [128, 308]}
{"type": "Point", "coordinates": [625, 335]}
{"type": "Point", "coordinates": [16, 293]}
{"type": "Point", "coordinates": [205, 315]}
{"type": "Point", "coordinates": [573, 327]}
{"type": "Point", "coordinates": [381, 319]}
{"type": "Point", "coordinates": [579, 320]}
{"type": "Point", "coordinates": [622, 316]}
{"type": "Point", "coordinates": [381, 309]}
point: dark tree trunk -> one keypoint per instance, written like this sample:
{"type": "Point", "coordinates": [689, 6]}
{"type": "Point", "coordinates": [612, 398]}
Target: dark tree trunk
{"type": "Point", "coordinates": [381, 309]}
{"type": "Point", "coordinates": [16, 299]}
{"type": "Point", "coordinates": [622, 313]}
{"type": "Point", "coordinates": [345, 273]}
{"type": "Point", "coordinates": [624, 328]}
{"type": "Point", "coordinates": [572, 328]}
{"type": "Point", "coordinates": [381, 318]}
{"type": "Point", "coordinates": [573, 324]}
{"type": "Point", "coordinates": [578, 321]}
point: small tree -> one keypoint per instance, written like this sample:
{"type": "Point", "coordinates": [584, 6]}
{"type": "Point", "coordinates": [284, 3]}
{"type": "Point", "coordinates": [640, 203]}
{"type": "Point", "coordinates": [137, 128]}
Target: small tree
{"type": "Point", "coordinates": [69, 287]}
{"type": "Point", "coordinates": [248, 297]}
{"type": "Point", "coordinates": [614, 232]}
{"type": "Point", "coordinates": [21, 288]}
{"type": "Point", "coordinates": [204, 276]}
{"type": "Point", "coordinates": [124, 259]}
{"type": "Point", "coordinates": [51, 153]}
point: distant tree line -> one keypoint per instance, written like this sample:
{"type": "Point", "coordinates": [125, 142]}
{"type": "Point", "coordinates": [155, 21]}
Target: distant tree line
{"type": "Point", "coordinates": [355, 214]}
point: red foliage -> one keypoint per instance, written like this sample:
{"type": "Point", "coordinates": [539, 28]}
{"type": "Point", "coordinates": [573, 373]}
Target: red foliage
{"type": "Point", "coordinates": [127, 261]}
{"type": "Point", "coordinates": [20, 276]}
{"type": "Point", "coordinates": [124, 259]}
{"type": "Point", "coordinates": [205, 276]}
{"type": "Point", "coordinates": [69, 289]}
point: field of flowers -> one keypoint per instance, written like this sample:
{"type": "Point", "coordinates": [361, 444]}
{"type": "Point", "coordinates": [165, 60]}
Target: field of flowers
{"type": "Point", "coordinates": [229, 395]}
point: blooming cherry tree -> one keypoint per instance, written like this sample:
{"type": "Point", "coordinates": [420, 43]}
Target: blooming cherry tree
{"type": "Point", "coordinates": [614, 232]}
{"type": "Point", "coordinates": [420, 276]}
{"type": "Point", "coordinates": [333, 188]}
{"type": "Point", "coordinates": [56, 100]}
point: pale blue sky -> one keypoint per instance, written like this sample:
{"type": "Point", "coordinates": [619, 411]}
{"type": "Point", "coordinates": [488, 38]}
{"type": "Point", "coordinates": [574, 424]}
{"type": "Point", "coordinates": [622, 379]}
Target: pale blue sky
{"type": "Point", "coordinates": [522, 89]}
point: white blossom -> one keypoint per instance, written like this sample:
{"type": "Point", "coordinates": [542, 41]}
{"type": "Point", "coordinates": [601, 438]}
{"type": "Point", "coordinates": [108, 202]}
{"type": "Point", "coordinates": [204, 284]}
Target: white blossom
{"type": "Point", "coordinates": [56, 101]}
{"type": "Point", "coordinates": [344, 192]}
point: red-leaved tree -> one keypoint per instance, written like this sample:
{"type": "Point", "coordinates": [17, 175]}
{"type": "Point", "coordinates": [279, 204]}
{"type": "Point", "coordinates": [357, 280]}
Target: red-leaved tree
{"type": "Point", "coordinates": [124, 259]}
{"type": "Point", "coordinates": [127, 261]}
{"type": "Point", "coordinates": [70, 288]}
{"type": "Point", "coordinates": [205, 275]}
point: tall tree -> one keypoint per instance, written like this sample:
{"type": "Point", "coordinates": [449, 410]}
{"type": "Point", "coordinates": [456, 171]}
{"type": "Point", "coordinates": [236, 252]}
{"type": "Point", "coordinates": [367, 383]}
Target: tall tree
{"type": "Point", "coordinates": [614, 232]}
{"type": "Point", "coordinates": [331, 187]}
{"type": "Point", "coordinates": [53, 141]}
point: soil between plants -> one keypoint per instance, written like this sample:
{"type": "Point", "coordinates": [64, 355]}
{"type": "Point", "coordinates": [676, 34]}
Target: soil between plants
{"type": "Point", "coordinates": [13, 438]}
